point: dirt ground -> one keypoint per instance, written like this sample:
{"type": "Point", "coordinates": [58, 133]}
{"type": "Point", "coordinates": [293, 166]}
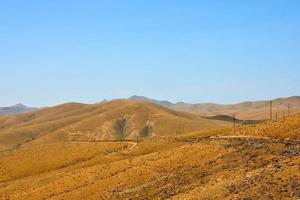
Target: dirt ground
{"type": "Point", "coordinates": [202, 168]}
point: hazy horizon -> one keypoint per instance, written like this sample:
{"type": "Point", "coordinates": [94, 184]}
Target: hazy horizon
{"type": "Point", "coordinates": [52, 52]}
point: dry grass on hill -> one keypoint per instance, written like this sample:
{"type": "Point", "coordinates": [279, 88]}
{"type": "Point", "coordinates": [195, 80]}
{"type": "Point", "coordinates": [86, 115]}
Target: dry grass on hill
{"type": "Point", "coordinates": [116, 120]}
{"type": "Point", "coordinates": [248, 162]}
{"type": "Point", "coordinates": [160, 169]}
{"type": "Point", "coordinates": [283, 129]}
{"type": "Point", "coordinates": [251, 110]}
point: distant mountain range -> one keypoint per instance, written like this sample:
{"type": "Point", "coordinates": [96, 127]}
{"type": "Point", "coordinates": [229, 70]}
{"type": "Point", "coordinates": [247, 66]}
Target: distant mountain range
{"type": "Point", "coordinates": [16, 109]}
{"type": "Point", "coordinates": [250, 110]}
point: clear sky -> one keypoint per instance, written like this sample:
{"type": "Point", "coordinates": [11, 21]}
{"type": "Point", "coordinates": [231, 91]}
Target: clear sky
{"type": "Point", "coordinates": [223, 51]}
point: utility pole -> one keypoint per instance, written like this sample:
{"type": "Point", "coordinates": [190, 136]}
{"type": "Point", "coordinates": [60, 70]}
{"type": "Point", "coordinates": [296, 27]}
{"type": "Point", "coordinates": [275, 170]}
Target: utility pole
{"type": "Point", "coordinates": [271, 111]}
{"type": "Point", "coordinates": [276, 117]}
{"type": "Point", "coordinates": [233, 120]}
{"type": "Point", "coordinates": [283, 117]}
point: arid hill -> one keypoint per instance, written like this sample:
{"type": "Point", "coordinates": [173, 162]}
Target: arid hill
{"type": "Point", "coordinates": [232, 119]}
{"type": "Point", "coordinates": [116, 120]}
{"type": "Point", "coordinates": [248, 162]}
{"type": "Point", "coordinates": [250, 110]}
{"type": "Point", "coordinates": [287, 128]}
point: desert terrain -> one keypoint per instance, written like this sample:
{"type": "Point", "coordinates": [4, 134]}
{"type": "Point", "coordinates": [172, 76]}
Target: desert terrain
{"type": "Point", "coordinates": [115, 120]}
{"type": "Point", "coordinates": [259, 161]}
{"type": "Point", "coordinates": [248, 110]}
{"type": "Point", "coordinates": [150, 100]}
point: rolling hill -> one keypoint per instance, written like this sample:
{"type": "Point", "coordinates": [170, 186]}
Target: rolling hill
{"type": "Point", "coordinates": [287, 129]}
{"type": "Point", "coordinates": [232, 119]}
{"type": "Point", "coordinates": [264, 158]}
{"type": "Point", "coordinates": [250, 110]}
{"type": "Point", "coordinates": [115, 120]}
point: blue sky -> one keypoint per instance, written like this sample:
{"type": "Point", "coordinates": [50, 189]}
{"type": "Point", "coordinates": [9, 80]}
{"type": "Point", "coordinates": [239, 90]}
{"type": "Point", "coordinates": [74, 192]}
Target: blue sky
{"type": "Point", "coordinates": [222, 51]}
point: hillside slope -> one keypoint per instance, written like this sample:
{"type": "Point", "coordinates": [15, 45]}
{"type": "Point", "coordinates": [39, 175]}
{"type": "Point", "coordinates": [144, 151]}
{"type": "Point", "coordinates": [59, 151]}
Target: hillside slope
{"type": "Point", "coordinates": [116, 120]}
{"type": "Point", "coordinates": [160, 168]}
{"type": "Point", "coordinates": [251, 110]}
{"type": "Point", "coordinates": [283, 129]}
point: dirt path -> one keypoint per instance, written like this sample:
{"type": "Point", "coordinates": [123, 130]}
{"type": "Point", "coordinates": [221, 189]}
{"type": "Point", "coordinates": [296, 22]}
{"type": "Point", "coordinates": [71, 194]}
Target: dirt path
{"type": "Point", "coordinates": [239, 136]}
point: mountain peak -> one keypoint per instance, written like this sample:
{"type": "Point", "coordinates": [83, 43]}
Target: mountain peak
{"type": "Point", "coordinates": [20, 105]}
{"type": "Point", "coordinates": [137, 97]}
{"type": "Point", "coordinates": [16, 109]}
{"type": "Point", "coordinates": [142, 98]}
